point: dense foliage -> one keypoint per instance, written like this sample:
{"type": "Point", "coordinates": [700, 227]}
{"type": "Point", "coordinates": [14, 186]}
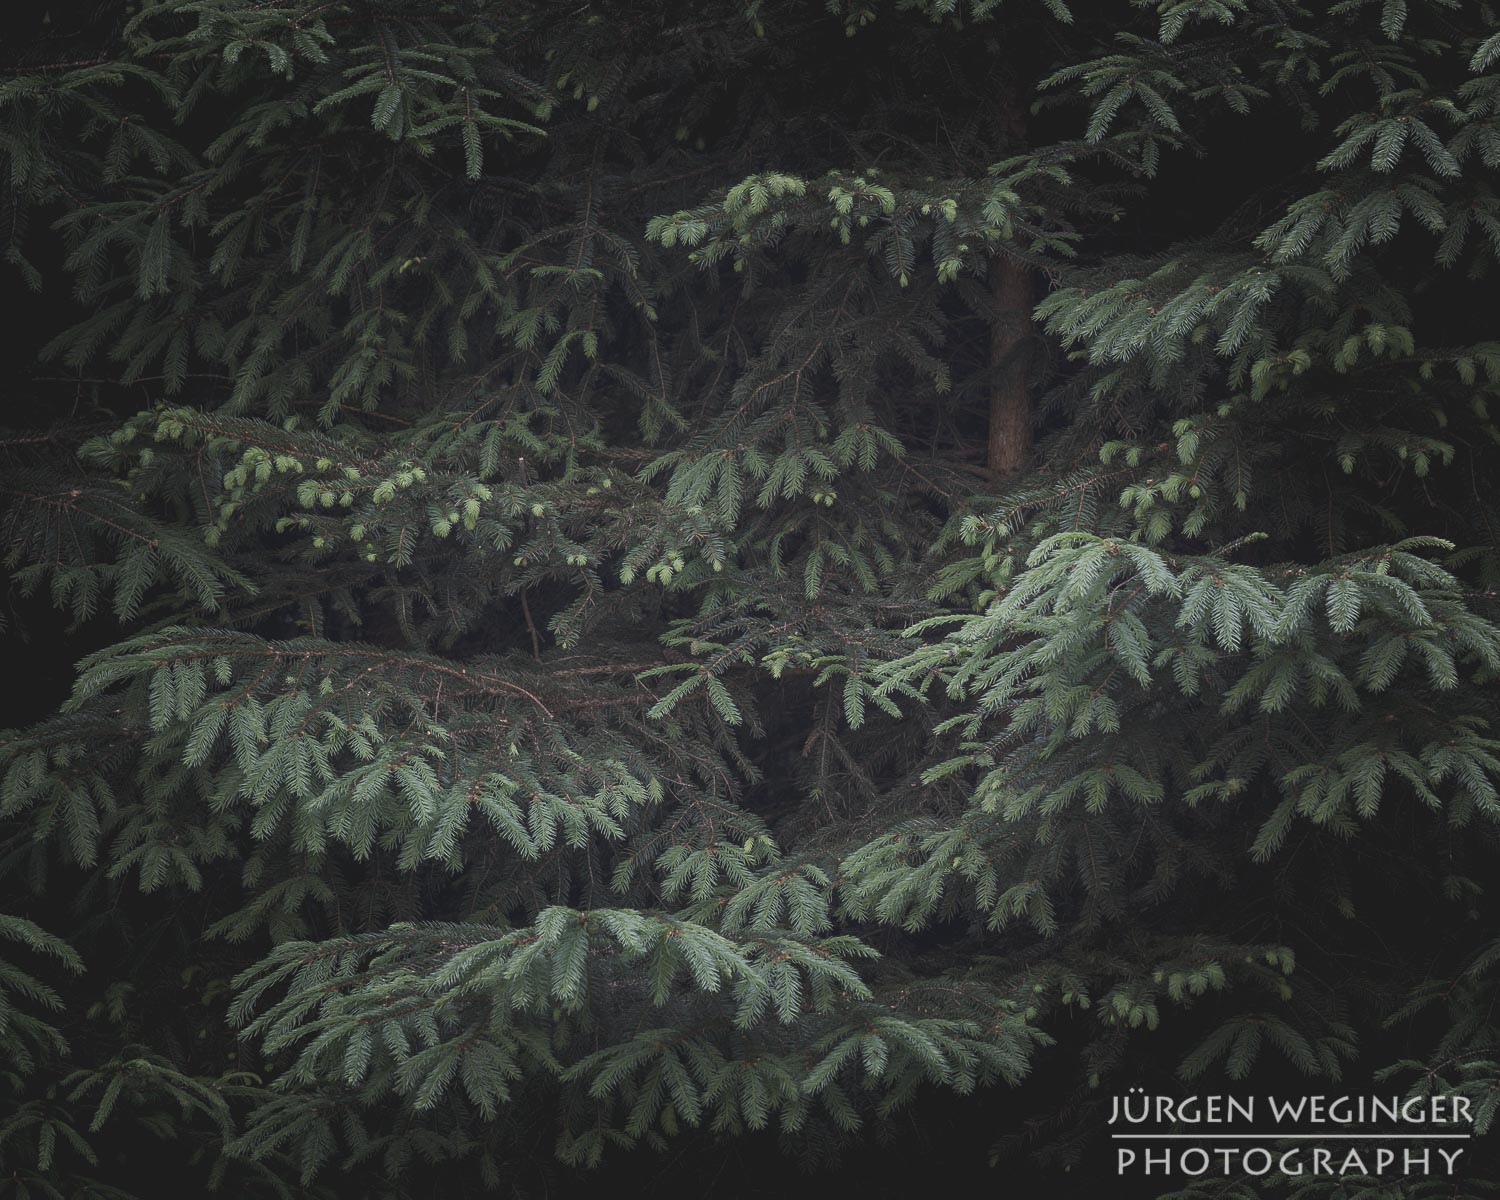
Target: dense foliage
{"type": "Point", "coordinates": [667, 571]}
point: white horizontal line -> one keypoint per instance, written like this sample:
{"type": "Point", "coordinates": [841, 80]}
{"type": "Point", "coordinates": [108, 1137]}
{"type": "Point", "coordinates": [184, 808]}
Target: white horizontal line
{"type": "Point", "coordinates": [1273, 1137]}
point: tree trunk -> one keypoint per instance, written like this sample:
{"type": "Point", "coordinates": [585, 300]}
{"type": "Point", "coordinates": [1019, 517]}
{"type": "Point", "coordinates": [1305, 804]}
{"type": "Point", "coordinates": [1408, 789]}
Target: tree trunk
{"type": "Point", "coordinates": [1010, 398]}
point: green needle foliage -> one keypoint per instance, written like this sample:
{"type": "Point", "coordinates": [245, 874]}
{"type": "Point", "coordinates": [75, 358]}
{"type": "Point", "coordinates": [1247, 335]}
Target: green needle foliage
{"type": "Point", "coordinates": [674, 571]}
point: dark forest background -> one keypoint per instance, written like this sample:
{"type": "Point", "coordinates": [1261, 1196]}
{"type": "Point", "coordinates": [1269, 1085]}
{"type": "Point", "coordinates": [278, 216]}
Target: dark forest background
{"type": "Point", "coordinates": [1177, 318]}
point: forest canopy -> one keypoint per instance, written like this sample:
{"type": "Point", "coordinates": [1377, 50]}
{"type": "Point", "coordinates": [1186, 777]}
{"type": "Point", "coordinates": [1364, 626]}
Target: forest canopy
{"type": "Point", "coordinates": [837, 576]}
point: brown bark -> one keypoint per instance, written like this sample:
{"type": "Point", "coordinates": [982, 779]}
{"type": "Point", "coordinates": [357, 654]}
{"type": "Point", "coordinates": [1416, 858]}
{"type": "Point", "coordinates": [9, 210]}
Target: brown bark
{"type": "Point", "coordinates": [1010, 321]}
{"type": "Point", "coordinates": [1010, 395]}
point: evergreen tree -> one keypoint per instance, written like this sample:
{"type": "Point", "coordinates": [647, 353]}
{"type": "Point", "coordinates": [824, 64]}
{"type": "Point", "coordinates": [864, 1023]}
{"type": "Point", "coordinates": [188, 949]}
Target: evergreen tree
{"type": "Point", "coordinates": [674, 571]}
